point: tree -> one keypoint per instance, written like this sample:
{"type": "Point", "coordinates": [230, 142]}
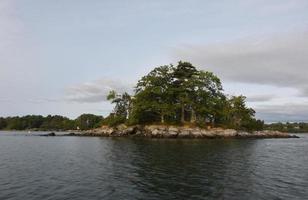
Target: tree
{"type": "Point", "coordinates": [88, 121]}
{"type": "Point", "coordinates": [153, 94]}
{"type": "Point", "coordinates": [241, 117]}
{"type": "Point", "coordinates": [181, 93]}
{"type": "Point", "coordinates": [208, 99]}
{"type": "Point", "coordinates": [183, 79]}
{"type": "Point", "coordinates": [122, 103]}
{"type": "Point", "coordinates": [3, 123]}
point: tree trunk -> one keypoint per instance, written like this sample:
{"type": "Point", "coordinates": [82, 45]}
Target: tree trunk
{"type": "Point", "coordinates": [162, 119]}
{"type": "Point", "coordinates": [183, 114]}
{"type": "Point", "coordinates": [193, 116]}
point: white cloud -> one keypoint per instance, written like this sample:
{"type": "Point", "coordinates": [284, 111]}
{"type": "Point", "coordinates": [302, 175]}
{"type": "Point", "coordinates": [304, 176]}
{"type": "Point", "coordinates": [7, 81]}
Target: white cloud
{"type": "Point", "coordinates": [284, 112]}
{"type": "Point", "coordinates": [274, 6]}
{"type": "Point", "coordinates": [271, 71]}
{"type": "Point", "coordinates": [260, 98]}
{"type": "Point", "coordinates": [280, 60]}
{"type": "Point", "coordinates": [10, 25]}
{"type": "Point", "coordinates": [96, 91]}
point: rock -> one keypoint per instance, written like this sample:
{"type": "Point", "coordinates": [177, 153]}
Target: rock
{"type": "Point", "coordinates": [243, 134]}
{"type": "Point", "coordinates": [229, 133]}
{"type": "Point", "coordinates": [173, 129]}
{"type": "Point", "coordinates": [155, 132]}
{"type": "Point", "coordinates": [165, 131]}
{"type": "Point", "coordinates": [50, 134]}
{"type": "Point", "coordinates": [130, 130]}
{"type": "Point", "coordinates": [207, 133]}
{"type": "Point", "coordinates": [121, 127]}
{"type": "Point", "coordinates": [183, 133]}
{"type": "Point", "coordinates": [196, 133]}
{"type": "Point", "coordinates": [138, 133]}
{"type": "Point", "coordinates": [173, 133]}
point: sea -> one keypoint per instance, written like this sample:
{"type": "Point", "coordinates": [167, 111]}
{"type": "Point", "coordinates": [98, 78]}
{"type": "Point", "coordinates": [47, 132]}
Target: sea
{"type": "Point", "coordinates": [34, 167]}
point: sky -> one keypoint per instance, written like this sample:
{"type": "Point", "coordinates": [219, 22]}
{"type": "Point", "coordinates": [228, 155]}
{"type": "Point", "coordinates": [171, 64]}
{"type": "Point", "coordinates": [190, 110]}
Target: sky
{"type": "Point", "coordinates": [63, 56]}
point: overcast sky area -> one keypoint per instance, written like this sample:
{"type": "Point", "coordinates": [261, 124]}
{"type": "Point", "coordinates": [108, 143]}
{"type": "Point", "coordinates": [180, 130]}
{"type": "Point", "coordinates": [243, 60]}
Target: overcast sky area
{"type": "Point", "coordinates": [63, 56]}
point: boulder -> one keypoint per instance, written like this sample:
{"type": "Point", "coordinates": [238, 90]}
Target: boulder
{"type": "Point", "coordinates": [183, 133]}
{"type": "Point", "coordinates": [130, 130]}
{"type": "Point", "coordinates": [196, 133]}
{"type": "Point", "coordinates": [50, 134]}
{"type": "Point", "coordinates": [121, 127]}
{"type": "Point", "coordinates": [173, 133]}
{"type": "Point", "coordinates": [229, 133]}
{"type": "Point", "coordinates": [207, 133]}
{"type": "Point", "coordinates": [173, 129]}
{"type": "Point", "coordinates": [155, 132]}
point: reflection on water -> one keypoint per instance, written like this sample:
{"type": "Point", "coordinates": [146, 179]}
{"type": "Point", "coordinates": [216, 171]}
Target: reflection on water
{"type": "Point", "coordinates": [123, 168]}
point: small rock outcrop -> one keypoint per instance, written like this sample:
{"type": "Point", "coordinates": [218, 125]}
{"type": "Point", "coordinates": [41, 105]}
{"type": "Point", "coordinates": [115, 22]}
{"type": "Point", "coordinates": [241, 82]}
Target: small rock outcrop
{"type": "Point", "coordinates": [165, 131]}
{"type": "Point", "coordinates": [49, 134]}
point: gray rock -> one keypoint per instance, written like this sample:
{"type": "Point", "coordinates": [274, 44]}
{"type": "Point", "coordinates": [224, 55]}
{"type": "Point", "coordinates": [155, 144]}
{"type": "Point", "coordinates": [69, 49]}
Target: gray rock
{"type": "Point", "coordinates": [196, 133]}
{"type": "Point", "coordinates": [49, 134]}
{"type": "Point", "coordinates": [183, 133]}
{"type": "Point", "coordinates": [155, 132]}
{"type": "Point", "coordinates": [173, 129]}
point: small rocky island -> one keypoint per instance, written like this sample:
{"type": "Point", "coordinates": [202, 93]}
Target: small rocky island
{"type": "Point", "coordinates": [172, 101]}
{"type": "Point", "coordinates": [179, 101]}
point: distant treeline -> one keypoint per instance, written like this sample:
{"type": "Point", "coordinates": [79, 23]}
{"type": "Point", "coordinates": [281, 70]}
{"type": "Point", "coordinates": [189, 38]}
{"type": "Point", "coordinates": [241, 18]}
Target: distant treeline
{"type": "Point", "coordinates": [300, 127]}
{"type": "Point", "coordinates": [56, 122]}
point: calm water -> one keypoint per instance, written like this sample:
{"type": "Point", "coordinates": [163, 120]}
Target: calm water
{"type": "Point", "coordinates": [33, 167]}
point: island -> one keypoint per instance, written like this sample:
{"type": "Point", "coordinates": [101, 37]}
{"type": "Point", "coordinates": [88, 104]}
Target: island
{"type": "Point", "coordinates": [181, 102]}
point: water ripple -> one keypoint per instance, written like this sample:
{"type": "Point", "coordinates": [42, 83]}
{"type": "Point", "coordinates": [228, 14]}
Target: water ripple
{"type": "Point", "coordinates": [122, 168]}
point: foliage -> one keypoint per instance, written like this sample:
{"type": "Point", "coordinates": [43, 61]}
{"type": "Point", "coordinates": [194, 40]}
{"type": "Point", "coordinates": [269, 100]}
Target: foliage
{"type": "Point", "coordinates": [180, 95]}
{"type": "Point", "coordinates": [299, 127]}
{"type": "Point", "coordinates": [153, 99]}
{"type": "Point", "coordinates": [88, 121]}
{"type": "Point", "coordinates": [122, 103]}
{"type": "Point", "coordinates": [56, 122]}
{"type": "Point", "coordinates": [241, 117]}
{"type": "Point", "coordinates": [114, 120]}
{"type": "Point", "coordinates": [3, 123]}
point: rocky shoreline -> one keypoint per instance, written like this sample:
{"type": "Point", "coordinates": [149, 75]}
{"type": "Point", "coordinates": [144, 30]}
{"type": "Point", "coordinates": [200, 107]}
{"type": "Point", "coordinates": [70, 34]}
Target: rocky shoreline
{"type": "Point", "coordinates": [164, 131]}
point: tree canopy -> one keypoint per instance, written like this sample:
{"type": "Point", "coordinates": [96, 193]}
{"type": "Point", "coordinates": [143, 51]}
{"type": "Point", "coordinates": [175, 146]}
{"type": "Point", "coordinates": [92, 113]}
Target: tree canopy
{"type": "Point", "coordinates": [182, 94]}
{"type": "Point", "coordinates": [55, 122]}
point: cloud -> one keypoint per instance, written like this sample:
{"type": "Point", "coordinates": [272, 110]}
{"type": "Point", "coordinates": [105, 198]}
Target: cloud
{"type": "Point", "coordinates": [280, 60]}
{"type": "Point", "coordinates": [274, 6]}
{"type": "Point", "coordinates": [43, 100]}
{"type": "Point", "coordinates": [283, 112]}
{"type": "Point", "coordinates": [260, 98]}
{"type": "Point", "coordinates": [5, 100]}
{"type": "Point", "coordinates": [11, 27]}
{"type": "Point", "coordinates": [95, 91]}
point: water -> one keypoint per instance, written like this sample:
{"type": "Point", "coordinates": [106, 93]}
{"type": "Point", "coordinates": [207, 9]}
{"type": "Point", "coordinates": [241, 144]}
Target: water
{"type": "Point", "coordinates": [33, 167]}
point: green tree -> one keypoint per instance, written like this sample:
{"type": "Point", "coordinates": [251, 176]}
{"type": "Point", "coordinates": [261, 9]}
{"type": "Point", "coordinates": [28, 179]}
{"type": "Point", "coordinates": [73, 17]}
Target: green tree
{"type": "Point", "coordinates": [241, 117]}
{"type": "Point", "coordinates": [181, 93]}
{"type": "Point", "coordinates": [183, 86]}
{"type": "Point", "coordinates": [153, 95]}
{"type": "Point", "coordinates": [122, 103]}
{"type": "Point", "coordinates": [208, 99]}
{"type": "Point", "coordinates": [88, 121]}
{"type": "Point", "coordinates": [3, 123]}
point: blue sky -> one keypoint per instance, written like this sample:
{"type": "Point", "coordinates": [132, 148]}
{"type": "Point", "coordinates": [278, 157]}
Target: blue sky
{"type": "Point", "coordinates": [61, 57]}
